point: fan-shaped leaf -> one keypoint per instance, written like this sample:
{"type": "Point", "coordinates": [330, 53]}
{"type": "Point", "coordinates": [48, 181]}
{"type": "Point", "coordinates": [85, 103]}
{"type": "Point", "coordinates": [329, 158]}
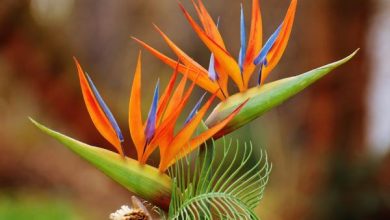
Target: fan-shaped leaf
{"type": "Point", "coordinates": [226, 188]}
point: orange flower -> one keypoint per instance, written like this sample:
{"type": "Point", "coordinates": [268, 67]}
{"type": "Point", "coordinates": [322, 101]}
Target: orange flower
{"type": "Point", "coordinates": [222, 64]}
{"type": "Point", "coordinates": [158, 130]}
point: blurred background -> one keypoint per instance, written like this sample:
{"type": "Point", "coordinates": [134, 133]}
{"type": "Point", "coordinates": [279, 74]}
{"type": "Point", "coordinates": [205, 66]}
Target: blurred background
{"type": "Point", "coordinates": [330, 145]}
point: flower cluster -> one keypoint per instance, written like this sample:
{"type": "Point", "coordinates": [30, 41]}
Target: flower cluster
{"type": "Point", "coordinates": [222, 65]}
{"type": "Point", "coordinates": [158, 129]}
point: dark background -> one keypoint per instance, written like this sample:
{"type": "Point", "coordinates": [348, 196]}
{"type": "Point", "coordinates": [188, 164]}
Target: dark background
{"type": "Point", "coordinates": [329, 145]}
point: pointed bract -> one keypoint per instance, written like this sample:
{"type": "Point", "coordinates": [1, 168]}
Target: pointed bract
{"type": "Point", "coordinates": [266, 97]}
{"type": "Point", "coordinates": [145, 181]}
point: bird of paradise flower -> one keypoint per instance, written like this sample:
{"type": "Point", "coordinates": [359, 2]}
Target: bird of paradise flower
{"type": "Point", "coordinates": [234, 111]}
{"type": "Point", "coordinates": [222, 65]}
{"type": "Point", "coordinates": [252, 55]}
{"type": "Point", "coordinates": [158, 130]}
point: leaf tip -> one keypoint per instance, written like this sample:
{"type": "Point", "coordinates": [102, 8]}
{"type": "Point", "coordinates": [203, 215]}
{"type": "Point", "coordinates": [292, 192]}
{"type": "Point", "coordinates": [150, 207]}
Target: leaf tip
{"type": "Point", "coordinates": [32, 121]}
{"type": "Point", "coordinates": [355, 52]}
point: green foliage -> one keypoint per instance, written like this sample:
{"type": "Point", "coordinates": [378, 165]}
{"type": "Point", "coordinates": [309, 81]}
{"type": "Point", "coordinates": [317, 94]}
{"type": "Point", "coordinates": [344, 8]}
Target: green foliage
{"type": "Point", "coordinates": [143, 180]}
{"type": "Point", "coordinates": [229, 187]}
{"type": "Point", "coordinates": [266, 97]}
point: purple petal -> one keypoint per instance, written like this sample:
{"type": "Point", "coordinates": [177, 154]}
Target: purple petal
{"type": "Point", "coordinates": [241, 56]}
{"type": "Point", "coordinates": [105, 109]}
{"type": "Point", "coordinates": [212, 73]}
{"type": "Point", "coordinates": [194, 110]}
{"type": "Point", "coordinates": [151, 122]}
{"type": "Point", "coordinates": [261, 58]}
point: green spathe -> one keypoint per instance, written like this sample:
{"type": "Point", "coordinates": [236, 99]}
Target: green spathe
{"type": "Point", "coordinates": [143, 180]}
{"type": "Point", "coordinates": [266, 97]}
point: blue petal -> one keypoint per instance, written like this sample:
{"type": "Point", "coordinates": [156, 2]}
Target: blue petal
{"type": "Point", "coordinates": [212, 73]}
{"type": "Point", "coordinates": [218, 21]}
{"type": "Point", "coordinates": [261, 58]}
{"type": "Point", "coordinates": [194, 110]}
{"type": "Point", "coordinates": [241, 56]}
{"type": "Point", "coordinates": [105, 109]}
{"type": "Point", "coordinates": [152, 117]}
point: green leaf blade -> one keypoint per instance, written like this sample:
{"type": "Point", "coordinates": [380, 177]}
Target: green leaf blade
{"type": "Point", "coordinates": [143, 180]}
{"type": "Point", "coordinates": [266, 97]}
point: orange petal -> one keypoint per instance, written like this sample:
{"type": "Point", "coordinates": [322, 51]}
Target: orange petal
{"type": "Point", "coordinates": [222, 78]}
{"type": "Point", "coordinates": [202, 80]}
{"type": "Point", "coordinates": [226, 62]}
{"type": "Point", "coordinates": [135, 115]}
{"type": "Point", "coordinates": [277, 50]}
{"type": "Point", "coordinates": [185, 134]}
{"type": "Point", "coordinates": [176, 98]}
{"type": "Point", "coordinates": [177, 108]}
{"type": "Point", "coordinates": [208, 23]}
{"type": "Point", "coordinates": [166, 95]}
{"type": "Point", "coordinates": [212, 31]}
{"type": "Point", "coordinates": [183, 57]}
{"type": "Point", "coordinates": [254, 43]}
{"type": "Point", "coordinates": [96, 112]}
{"type": "Point", "coordinates": [200, 139]}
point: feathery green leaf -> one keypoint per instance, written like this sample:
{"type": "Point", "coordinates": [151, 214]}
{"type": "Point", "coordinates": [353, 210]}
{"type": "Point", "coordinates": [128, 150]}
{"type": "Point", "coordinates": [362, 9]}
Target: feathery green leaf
{"type": "Point", "coordinates": [229, 188]}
